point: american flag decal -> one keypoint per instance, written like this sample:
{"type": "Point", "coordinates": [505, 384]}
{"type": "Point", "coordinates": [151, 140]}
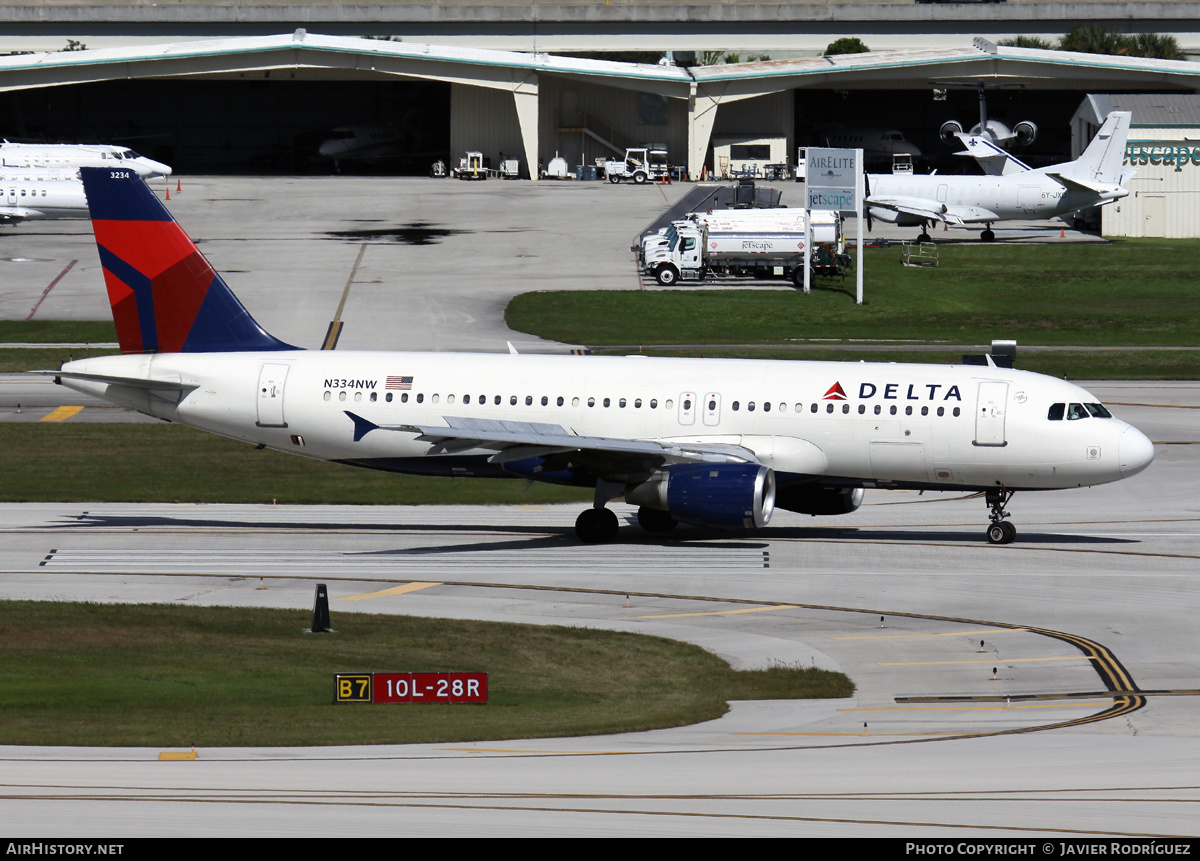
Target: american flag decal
{"type": "Point", "coordinates": [403, 384]}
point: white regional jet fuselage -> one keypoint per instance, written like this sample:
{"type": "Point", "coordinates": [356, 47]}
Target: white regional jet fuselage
{"type": "Point", "coordinates": [711, 442]}
{"type": "Point", "coordinates": [40, 194]}
{"type": "Point", "coordinates": [74, 156]}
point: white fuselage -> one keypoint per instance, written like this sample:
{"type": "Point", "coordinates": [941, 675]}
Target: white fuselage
{"type": "Point", "coordinates": [75, 156]}
{"type": "Point", "coordinates": [45, 194]}
{"type": "Point", "coordinates": [983, 199]}
{"type": "Point", "coordinates": [872, 424]}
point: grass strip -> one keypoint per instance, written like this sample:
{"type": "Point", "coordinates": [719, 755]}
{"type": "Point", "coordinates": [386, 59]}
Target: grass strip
{"type": "Point", "coordinates": [65, 462]}
{"type": "Point", "coordinates": [155, 675]}
{"type": "Point", "coordinates": [14, 360]}
{"type": "Point", "coordinates": [1079, 365]}
{"type": "Point", "coordinates": [1134, 292]}
{"type": "Point", "coordinates": [57, 331]}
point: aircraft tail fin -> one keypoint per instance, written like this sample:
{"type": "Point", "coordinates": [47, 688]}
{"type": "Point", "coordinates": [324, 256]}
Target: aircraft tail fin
{"type": "Point", "coordinates": [1100, 163]}
{"type": "Point", "coordinates": [165, 296]}
{"type": "Point", "coordinates": [993, 160]}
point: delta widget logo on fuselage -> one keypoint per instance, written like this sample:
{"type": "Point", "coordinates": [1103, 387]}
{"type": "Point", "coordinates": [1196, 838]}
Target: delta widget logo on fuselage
{"type": "Point", "coordinates": [891, 392]}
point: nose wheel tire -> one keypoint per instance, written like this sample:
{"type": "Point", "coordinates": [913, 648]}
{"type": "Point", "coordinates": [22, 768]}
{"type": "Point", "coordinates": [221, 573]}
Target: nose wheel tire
{"type": "Point", "coordinates": [596, 526]}
{"type": "Point", "coordinates": [1001, 532]}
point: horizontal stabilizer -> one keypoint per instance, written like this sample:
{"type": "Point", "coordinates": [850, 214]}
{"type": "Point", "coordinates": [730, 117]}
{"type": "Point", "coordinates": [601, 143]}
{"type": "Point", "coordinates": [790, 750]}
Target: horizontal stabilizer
{"type": "Point", "coordinates": [161, 385]}
{"type": "Point", "coordinates": [1085, 185]}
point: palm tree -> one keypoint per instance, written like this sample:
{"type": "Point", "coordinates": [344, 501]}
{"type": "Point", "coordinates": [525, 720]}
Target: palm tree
{"type": "Point", "coordinates": [1156, 46]}
{"type": "Point", "coordinates": [1094, 39]}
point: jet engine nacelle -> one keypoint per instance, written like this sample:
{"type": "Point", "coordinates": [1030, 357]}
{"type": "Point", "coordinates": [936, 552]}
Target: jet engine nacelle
{"type": "Point", "coordinates": [949, 131]}
{"type": "Point", "coordinates": [1026, 132]}
{"type": "Point", "coordinates": [819, 499]}
{"type": "Point", "coordinates": [724, 495]}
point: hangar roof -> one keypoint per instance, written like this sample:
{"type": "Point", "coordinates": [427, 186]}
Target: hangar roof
{"type": "Point", "coordinates": [1156, 111]}
{"type": "Point", "coordinates": [306, 55]}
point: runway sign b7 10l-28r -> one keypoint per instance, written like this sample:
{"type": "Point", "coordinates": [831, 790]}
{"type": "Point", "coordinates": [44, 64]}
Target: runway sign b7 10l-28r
{"type": "Point", "coordinates": [410, 687]}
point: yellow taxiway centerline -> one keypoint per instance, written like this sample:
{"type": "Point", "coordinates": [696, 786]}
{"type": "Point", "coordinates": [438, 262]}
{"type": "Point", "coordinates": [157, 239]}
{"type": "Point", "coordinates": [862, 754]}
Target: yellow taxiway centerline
{"type": "Point", "coordinates": [61, 414]}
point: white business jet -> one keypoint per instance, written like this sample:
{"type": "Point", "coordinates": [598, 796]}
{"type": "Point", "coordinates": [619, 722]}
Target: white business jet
{"type": "Point", "coordinates": [1094, 179]}
{"type": "Point", "coordinates": [36, 193]}
{"type": "Point", "coordinates": [41, 155]}
{"type": "Point", "coordinates": [1022, 134]}
{"type": "Point", "coordinates": [710, 442]}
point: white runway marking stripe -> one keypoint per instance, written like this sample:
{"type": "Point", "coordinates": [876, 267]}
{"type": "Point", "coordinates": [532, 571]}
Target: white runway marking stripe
{"type": "Point", "coordinates": [589, 559]}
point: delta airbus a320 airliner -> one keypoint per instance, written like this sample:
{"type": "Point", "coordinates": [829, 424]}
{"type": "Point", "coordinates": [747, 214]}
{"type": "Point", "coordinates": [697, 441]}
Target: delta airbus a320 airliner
{"type": "Point", "coordinates": [710, 442]}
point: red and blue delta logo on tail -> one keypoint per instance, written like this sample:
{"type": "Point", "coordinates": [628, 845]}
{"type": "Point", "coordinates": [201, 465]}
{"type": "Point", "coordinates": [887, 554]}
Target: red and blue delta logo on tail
{"type": "Point", "coordinates": [165, 297]}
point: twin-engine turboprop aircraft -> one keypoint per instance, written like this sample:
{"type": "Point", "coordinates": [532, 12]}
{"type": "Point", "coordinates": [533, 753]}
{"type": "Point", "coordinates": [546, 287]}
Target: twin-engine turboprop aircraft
{"type": "Point", "coordinates": [1012, 190]}
{"type": "Point", "coordinates": [711, 442]}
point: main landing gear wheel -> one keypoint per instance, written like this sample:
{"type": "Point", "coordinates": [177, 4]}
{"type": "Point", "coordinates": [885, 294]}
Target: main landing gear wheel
{"type": "Point", "coordinates": [653, 520]}
{"type": "Point", "coordinates": [924, 237]}
{"type": "Point", "coordinates": [1001, 531]}
{"type": "Point", "coordinates": [987, 236]}
{"type": "Point", "coordinates": [596, 526]}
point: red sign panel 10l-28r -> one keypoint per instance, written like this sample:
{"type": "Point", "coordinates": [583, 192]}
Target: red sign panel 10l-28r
{"type": "Point", "coordinates": [411, 687]}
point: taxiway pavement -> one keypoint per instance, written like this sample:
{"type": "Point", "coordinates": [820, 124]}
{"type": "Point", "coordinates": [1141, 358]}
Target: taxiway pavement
{"type": "Point", "coordinates": [1093, 611]}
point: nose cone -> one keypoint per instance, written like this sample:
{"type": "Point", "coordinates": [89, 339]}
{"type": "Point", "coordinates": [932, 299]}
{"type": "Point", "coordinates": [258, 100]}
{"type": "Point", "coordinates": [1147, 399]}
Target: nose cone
{"type": "Point", "coordinates": [1134, 452]}
{"type": "Point", "coordinates": [148, 167]}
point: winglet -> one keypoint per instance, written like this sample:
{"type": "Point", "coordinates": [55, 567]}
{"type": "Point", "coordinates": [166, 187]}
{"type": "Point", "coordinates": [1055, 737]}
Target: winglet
{"type": "Point", "coordinates": [362, 426]}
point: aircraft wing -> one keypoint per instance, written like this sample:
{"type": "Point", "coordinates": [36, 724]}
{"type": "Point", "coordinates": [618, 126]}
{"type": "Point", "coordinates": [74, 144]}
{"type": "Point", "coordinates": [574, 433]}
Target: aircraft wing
{"type": "Point", "coordinates": [519, 440]}
{"type": "Point", "coordinates": [932, 210]}
{"type": "Point", "coordinates": [14, 214]}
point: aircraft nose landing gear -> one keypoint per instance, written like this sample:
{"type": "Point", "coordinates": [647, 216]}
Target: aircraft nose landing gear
{"type": "Point", "coordinates": [1001, 531]}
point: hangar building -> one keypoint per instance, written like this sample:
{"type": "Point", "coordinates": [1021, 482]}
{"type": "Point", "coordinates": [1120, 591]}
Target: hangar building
{"type": "Point", "coordinates": [262, 103]}
{"type": "Point", "coordinates": [1164, 148]}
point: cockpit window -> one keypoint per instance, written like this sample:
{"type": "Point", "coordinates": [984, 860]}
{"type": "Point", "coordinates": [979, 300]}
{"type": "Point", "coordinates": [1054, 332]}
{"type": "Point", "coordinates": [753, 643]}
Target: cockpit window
{"type": "Point", "coordinates": [1056, 412]}
{"type": "Point", "coordinates": [1099, 411]}
{"type": "Point", "coordinates": [1076, 411]}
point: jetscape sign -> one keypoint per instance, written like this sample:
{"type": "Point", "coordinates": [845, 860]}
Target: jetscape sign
{"type": "Point", "coordinates": [833, 179]}
{"type": "Point", "coordinates": [835, 183]}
